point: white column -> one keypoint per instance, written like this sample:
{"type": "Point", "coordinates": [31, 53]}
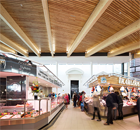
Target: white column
{"type": "Point", "coordinates": [57, 69]}
{"type": "Point", "coordinates": [128, 68]}
{"type": "Point", "coordinates": [91, 66]}
{"type": "Point", "coordinates": [57, 92]}
{"type": "Point", "coordinates": [128, 64]}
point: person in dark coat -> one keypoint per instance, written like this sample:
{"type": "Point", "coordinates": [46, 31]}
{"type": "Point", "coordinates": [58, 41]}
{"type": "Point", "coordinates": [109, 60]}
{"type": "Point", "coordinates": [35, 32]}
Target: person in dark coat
{"type": "Point", "coordinates": [75, 99]}
{"type": "Point", "coordinates": [115, 102]}
{"type": "Point", "coordinates": [138, 106]}
{"type": "Point", "coordinates": [110, 106]}
{"type": "Point", "coordinates": [120, 106]}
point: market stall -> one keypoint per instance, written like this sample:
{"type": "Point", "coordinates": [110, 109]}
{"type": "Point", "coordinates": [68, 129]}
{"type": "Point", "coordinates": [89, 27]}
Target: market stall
{"type": "Point", "coordinates": [24, 88]}
{"type": "Point", "coordinates": [129, 87]}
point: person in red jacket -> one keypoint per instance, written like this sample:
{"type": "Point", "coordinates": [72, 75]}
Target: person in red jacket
{"type": "Point", "coordinates": [66, 100]}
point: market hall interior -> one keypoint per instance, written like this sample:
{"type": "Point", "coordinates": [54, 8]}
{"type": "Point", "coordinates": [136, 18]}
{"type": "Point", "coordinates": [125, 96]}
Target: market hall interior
{"type": "Point", "coordinates": [53, 52]}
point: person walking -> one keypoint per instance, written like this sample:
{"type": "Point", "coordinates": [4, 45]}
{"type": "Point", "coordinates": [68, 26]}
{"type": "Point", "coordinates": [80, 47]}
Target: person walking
{"type": "Point", "coordinates": [75, 99]}
{"type": "Point", "coordinates": [138, 107]}
{"type": "Point", "coordinates": [96, 106]}
{"type": "Point", "coordinates": [120, 106]}
{"type": "Point", "coordinates": [66, 100]}
{"type": "Point", "coordinates": [110, 106]}
{"type": "Point", "coordinates": [69, 97]}
{"type": "Point", "coordinates": [79, 102]}
{"type": "Point", "coordinates": [115, 102]}
{"type": "Point", "coordinates": [82, 102]}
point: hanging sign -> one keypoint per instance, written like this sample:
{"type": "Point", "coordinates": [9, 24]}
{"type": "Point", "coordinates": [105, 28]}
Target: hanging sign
{"type": "Point", "coordinates": [45, 76]}
{"type": "Point", "coordinates": [41, 74]}
{"type": "Point", "coordinates": [16, 66]}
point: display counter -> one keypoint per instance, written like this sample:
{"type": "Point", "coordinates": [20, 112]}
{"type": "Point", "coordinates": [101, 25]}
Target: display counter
{"type": "Point", "coordinates": [128, 108]}
{"type": "Point", "coordinates": [33, 114]}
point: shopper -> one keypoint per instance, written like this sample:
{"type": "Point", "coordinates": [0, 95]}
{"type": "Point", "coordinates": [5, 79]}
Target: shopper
{"type": "Point", "coordinates": [79, 99]}
{"type": "Point", "coordinates": [110, 106]}
{"type": "Point", "coordinates": [120, 106]}
{"type": "Point", "coordinates": [66, 100]}
{"type": "Point", "coordinates": [41, 95]}
{"type": "Point", "coordinates": [75, 99]}
{"type": "Point", "coordinates": [96, 106]}
{"type": "Point", "coordinates": [138, 106]}
{"type": "Point", "coordinates": [115, 102]}
{"type": "Point", "coordinates": [82, 102]}
{"type": "Point", "coordinates": [69, 97]}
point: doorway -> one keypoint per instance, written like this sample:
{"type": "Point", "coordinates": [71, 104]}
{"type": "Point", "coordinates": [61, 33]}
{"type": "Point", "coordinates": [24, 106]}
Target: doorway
{"type": "Point", "coordinates": [74, 87]}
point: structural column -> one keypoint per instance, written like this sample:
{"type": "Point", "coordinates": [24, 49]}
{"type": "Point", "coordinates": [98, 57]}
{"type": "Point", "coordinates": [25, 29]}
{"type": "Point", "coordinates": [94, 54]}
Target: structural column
{"type": "Point", "coordinates": [128, 68]}
{"type": "Point", "coordinates": [57, 92]}
{"type": "Point", "coordinates": [57, 69]}
{"type": "Point", "coordinates": [91, 66]}
{"type": "Point", "coordinates": [122, 66]}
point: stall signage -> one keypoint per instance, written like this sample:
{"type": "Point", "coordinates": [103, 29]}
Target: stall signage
{"type": "Point", "coordinates": [42, 74]}
{"type": "Point", "coordinates": [17, 66]}
{"type": "Point", "coordinates": [128, 82]}
{"type": "Point", "coordinates": [103, 80]}
{"type": "Point", "coordinates": [51, 80]}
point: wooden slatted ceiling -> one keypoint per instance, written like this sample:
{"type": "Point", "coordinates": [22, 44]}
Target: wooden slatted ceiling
{"type": "Point", "coordinates": [28, 14]}
{"type": "Point", "coordinates": [118, 15]}
{"type": "Point", "coordinates": [7, 32]}
{"type": "Point", "coordinates": [135, 51]}
{"type": "Point", "coordinates": [135, 37]}
{"type": "Point", "coordinates": [67, 19]}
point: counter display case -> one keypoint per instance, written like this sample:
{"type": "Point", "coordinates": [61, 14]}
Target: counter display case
{"type": "Point", "coordinates": [56, 101]}
{"type": "Point", "coordinates": [129, 107]}
{"type": "Point", "coordinates": [30, 112]}
{"type": "Point", "coordinates": [29, 108]}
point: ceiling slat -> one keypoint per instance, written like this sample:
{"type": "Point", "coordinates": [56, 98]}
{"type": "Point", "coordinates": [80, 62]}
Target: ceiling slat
{"type": "Point", "coordinates": [4, 15]}
{"type": "Point", "coordinates": [126, 48]}
{"type": "Point", "coordinates": [13, 45]}
{"type": "Point", "coordinates": [6, 49]}
{"type": "Point", "coordinates": [116, 37]}
{"type": "Point", "coordinates": [99, 10]}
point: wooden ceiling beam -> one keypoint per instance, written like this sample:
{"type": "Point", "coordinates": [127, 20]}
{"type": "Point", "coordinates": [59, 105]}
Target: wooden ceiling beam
{"type": "Point", "coordinates": [5, 16]}
{"type": "Point", "coordinates": [96, 14]}
{"type": "Point", "coordinates": [116, 37]}
{"type": "Point", "coordinates": [124, 49]}
{"type": "Point", "coordinates": [13, 45]}
{"type": "Point", "coordinates": [48, 26]}
{"type": "Point", "coordinates": [6, 49]}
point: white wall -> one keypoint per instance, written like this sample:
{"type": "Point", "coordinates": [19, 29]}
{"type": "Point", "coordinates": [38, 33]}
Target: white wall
{"type": "Point", "coordinates": [63, 68]}
{"type": "Point", "coordinates": [89, 66]}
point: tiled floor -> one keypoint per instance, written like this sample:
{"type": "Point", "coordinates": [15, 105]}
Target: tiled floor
{"type": "Point", "coordinates": [74, 119]}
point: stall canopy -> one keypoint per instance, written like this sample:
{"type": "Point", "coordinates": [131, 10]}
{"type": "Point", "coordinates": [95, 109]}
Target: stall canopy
{"type": "Point", "coordinates": [10, 62]}
{"type": "Point", "coordinates": [113, 79]}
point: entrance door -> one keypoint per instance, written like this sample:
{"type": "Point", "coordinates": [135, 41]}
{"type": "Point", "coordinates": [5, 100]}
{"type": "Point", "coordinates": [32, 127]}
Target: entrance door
{"type": "Point", "coordinates": [74, 86]}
